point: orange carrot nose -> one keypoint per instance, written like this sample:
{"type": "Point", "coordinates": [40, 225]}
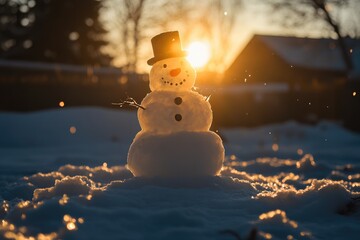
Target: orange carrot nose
{"type": "Point", "coordinates": [175, 72]}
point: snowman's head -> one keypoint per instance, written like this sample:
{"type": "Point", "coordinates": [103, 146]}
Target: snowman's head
{"type": "Point", "coordinates": [174, 74]}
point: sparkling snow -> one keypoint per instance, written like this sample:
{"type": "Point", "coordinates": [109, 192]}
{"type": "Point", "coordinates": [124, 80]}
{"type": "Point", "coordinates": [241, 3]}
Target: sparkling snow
{"type": "Point", "coordinates": [55, 184]}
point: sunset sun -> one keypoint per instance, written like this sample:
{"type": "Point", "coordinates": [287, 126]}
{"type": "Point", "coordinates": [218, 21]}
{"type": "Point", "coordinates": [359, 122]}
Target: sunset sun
{"type": "Point", "coordinates": [198, 53]}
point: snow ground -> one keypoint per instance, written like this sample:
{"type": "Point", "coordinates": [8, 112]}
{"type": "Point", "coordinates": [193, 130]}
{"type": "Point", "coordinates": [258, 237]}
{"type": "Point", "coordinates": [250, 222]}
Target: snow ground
{"type": "Point", "coordinates": [284, 181]}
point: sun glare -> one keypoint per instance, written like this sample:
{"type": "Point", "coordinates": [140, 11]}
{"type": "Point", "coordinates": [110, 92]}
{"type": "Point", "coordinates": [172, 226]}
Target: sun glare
{"type": "Point", "coordinates": [198, 53]}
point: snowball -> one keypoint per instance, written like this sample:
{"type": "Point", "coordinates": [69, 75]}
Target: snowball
{"type": "Point", "coordinates": [180, 154]}
{"type": "Point", "coordinates": [172, 74]}
{"type": "Point", "coordinates": [277, 217]}
{"type": "Point", "coordinates": [231, 172]}
{"type": "Point", "coordinates": [170, 111]}
{"type": "Point", "coordinates": [44, 180]}
{"type": "Point", "coordinates": [322, 196]}
{"type": "Point", "coordinates": [102, 174]}
{"type": "Point", "coordinates": [277, 225]}
{"type": "Point", "coordinates": [71, 186]}
{"type": "Point", "coordinates": [307, 162]}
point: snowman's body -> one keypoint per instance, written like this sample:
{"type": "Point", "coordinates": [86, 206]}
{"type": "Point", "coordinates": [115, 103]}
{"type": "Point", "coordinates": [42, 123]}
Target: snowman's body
{"type": "Point", "coordinates": [173, 111]}
{"type": "Point", "coordinates": [175, 140]}
{"type": "Point", "coordinates": [176, 155]}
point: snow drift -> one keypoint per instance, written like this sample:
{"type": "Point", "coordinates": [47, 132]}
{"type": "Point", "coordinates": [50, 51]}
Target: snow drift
{"type": "Point", "coordinates": [82, 190]}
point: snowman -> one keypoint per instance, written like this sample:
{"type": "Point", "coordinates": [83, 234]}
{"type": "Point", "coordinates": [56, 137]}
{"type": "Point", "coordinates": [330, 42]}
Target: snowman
{"type": "Point", "coordinates": [175, 140]}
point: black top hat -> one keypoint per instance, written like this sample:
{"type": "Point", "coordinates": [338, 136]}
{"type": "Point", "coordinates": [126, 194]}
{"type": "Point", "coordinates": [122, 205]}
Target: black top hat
{"type": "Point", "coordinates": [166, 45]}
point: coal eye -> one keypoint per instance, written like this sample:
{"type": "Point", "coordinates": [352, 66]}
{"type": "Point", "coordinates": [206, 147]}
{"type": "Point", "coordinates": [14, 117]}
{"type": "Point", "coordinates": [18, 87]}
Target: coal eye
{"type": "Point", "coordinates": [164, 65]}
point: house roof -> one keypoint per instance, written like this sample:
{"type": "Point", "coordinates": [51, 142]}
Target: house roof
{"type": "Point", "coordinates": [318, 53]}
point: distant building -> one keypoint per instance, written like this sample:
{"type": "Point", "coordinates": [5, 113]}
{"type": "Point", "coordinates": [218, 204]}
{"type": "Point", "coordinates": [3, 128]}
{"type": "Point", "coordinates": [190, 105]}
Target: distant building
{"type": "Point", "coordinates": [278, 78]}
{"type": "Point", "coordinates": [299, 62]}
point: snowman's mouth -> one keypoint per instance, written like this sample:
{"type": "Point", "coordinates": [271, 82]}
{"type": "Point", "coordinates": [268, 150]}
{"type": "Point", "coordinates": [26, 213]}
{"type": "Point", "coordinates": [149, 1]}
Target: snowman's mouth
{"type": "Point", "coordinates": [171, 83]}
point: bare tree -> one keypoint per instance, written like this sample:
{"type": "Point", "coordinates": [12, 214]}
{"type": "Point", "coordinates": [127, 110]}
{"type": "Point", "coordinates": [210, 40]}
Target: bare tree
{"type": "Point", "coordinates": [133, 21]}
{"type": "Point", "coordinates": [125, 22]}
{"type": "Point", "coordinates": [320, 5]}
{"type": "Point", "coordinates": [351, 19]}
{"type": "Point", "coordinates": [220, 21]}
{"type": "Point", "coordinates": [303, 12]}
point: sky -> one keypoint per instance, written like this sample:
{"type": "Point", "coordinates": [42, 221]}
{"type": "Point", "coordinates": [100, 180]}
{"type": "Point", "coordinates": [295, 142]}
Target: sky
{"type": "Point", "coordinates": [252, 18]}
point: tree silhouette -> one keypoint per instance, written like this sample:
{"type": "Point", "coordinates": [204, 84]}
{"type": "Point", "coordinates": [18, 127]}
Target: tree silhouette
{"type": "Point", "coordinates": [221, 28]}
{"type": "Point", "coordinates": [302, 12]}
{"type": "Point", "coordinates": [64, 31]}
{"type": "Point", "coordinates": [133, 22]}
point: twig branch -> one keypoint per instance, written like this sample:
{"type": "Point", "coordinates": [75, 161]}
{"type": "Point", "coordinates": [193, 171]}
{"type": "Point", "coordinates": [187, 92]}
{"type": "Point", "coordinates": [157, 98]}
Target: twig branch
{"type": "Point", "coordinates": [129, 102]}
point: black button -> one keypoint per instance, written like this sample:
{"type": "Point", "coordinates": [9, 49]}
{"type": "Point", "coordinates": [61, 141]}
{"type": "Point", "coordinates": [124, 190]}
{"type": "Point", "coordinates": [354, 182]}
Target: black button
{"type": "Point", "coordinates": [178, 100]}
{"type": "Point", "coordinates": [178, 117]}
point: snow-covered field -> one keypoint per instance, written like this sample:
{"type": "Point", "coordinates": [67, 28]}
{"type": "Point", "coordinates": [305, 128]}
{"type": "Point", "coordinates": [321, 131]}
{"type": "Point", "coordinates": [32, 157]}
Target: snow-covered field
{"type": "Point", "coordinates": [62, 176]}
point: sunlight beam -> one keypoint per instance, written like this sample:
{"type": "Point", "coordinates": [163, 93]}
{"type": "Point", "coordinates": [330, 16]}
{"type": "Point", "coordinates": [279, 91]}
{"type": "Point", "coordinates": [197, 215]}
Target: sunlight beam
{"type": "Point", "coordinates": [198, 53]}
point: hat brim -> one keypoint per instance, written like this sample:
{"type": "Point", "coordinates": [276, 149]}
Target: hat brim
{"type": "Point", "coordinates": [153, 60]}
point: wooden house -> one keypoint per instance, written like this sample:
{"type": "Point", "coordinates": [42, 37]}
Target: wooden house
{"type": "Point", "coordinates": [279, 78]}
{"type": "Point", "coordinates": [300, 62]}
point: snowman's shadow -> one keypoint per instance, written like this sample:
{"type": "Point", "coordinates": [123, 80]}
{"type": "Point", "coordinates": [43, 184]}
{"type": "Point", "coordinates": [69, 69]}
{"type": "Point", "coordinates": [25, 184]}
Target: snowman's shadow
{"type": "Point", "coordinates": [208, 182]}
